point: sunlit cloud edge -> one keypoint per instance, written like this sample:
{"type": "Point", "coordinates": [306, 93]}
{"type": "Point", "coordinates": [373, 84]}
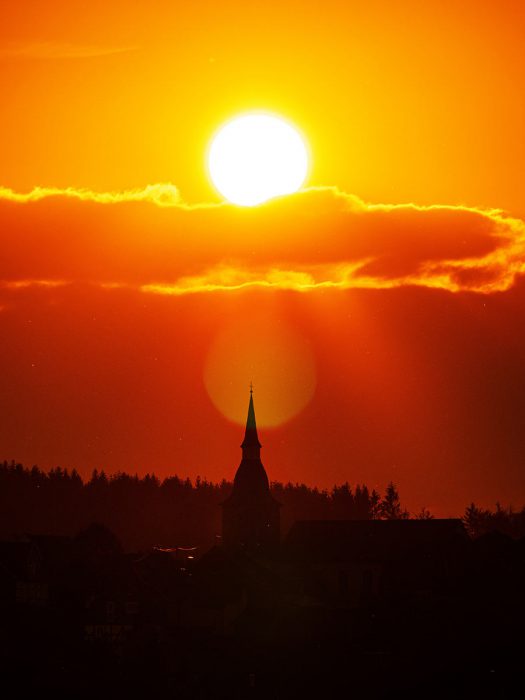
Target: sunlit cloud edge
{"type": "Point", "coordinates": [495, 272]}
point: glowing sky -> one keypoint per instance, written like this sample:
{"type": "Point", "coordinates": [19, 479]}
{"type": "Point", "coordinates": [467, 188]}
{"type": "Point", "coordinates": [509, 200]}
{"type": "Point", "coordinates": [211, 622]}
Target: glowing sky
{"type": "Point", "coordinates": [395, 279]}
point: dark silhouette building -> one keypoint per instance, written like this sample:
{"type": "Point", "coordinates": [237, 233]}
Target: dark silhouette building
{"type": "Point", "coordinates": [250, 515]}
{"type": "Point", "coordinates": [345, 563]}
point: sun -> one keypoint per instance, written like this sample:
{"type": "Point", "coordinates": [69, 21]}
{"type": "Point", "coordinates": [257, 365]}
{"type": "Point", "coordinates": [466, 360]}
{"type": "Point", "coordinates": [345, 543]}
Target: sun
{"type": "Point", "coordinates": [256, 157]}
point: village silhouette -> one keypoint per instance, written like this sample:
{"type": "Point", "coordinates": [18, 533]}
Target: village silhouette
{"type": "Point", "coordinates": [127, 586]}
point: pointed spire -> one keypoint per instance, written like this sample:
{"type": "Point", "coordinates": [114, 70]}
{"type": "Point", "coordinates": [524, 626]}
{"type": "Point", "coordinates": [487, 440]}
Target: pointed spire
{"type": "Point", "coordinates": [251, 439]}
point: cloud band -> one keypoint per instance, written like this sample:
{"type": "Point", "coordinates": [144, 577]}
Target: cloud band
{"type": "Point", "coordinates": [318, 239]}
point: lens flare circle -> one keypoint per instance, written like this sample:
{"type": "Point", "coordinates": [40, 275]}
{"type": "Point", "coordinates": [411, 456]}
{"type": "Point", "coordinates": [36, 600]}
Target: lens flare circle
{"type": "Point", "coordinates": [275, 357]}
{"type": "Point", "coordinates": [256, 157]}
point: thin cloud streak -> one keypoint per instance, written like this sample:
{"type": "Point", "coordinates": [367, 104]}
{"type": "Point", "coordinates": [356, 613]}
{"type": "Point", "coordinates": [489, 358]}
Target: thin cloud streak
{"type": "Point", "coordinates": [161, 194]}
{"type": "Point", "coordinates": [25, 284]}
{"type": "Point", "coordinates": [343, 276]}
{"type": "Point", "coordinates": [62, 50]}
{"type": "Point", "coordinates": [166, 194]}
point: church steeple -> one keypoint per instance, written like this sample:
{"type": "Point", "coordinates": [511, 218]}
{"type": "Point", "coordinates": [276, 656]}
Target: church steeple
{"type": "Point", "coordinates": [251, 447]}
{"type": "Point", "coordinates": [250, 518]}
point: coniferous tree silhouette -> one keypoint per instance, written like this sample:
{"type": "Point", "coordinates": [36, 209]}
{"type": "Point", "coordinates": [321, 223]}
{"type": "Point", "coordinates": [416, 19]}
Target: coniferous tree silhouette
{"type": "Point", "coordinates": [424, 514]}
{"type": "Point", "coordinates": [390, 507]}
{"type": "Point", "coordinates": [145, 511]}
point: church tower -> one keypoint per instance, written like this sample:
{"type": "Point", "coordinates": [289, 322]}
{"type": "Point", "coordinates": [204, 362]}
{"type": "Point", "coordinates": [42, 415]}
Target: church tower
{"type": "Point", "coordinates": [250, 515]}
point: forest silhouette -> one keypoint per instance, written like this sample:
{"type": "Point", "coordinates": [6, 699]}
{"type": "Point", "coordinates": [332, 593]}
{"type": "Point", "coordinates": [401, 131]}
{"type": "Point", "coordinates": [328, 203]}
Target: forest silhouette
{"type": "Point", "coordinates": [120, 585]}
{"type": "Point", "coordinates": [144, 511]}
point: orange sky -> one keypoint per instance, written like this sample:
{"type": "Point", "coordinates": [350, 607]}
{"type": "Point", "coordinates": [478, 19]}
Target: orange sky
{"type": "Point", "coordinates": [395, 280]}
{"type": "Point", "coordinates": [401, 102]}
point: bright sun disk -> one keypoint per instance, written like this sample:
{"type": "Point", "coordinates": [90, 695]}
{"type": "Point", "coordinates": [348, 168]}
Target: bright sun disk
{"type": "Point", "coordinates": [256, 157]}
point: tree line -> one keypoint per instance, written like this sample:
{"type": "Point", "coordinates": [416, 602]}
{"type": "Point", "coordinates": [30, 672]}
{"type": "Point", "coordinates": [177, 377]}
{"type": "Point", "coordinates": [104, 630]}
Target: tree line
{"type": "Point", "coordinates": [146, 511]}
